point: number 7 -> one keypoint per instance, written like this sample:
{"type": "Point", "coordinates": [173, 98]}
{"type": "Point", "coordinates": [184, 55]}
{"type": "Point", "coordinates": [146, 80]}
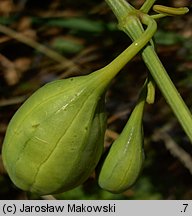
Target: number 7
{"type": "Point", "coordinates": [185, 207]}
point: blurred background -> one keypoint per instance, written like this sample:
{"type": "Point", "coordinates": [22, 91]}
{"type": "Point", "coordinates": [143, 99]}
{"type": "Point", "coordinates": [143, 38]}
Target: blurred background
{"type": "Point", "coordinates": [41, 41]}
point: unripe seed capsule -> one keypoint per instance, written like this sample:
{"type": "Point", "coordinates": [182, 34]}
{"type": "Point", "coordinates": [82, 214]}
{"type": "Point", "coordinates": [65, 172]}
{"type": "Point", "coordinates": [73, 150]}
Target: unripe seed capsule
{"type": "Point", "coordinates": [124, 161]}
{"type": "Point", "coordinates": [55, 139]}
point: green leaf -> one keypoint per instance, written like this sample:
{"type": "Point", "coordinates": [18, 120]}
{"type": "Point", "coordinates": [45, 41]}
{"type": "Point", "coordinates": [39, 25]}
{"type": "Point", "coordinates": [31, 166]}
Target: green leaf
{"type": "Point", "coordinates": [67, 46]}
{"type": "Point", "coordinates": [7, 20]}
{"type": "Point", "coordinates": [77, 24]}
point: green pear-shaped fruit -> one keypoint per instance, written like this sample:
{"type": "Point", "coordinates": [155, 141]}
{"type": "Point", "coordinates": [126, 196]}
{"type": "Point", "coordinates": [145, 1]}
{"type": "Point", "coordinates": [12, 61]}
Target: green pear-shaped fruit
{"type": "Point", "coordinates": [55, 139]}
{"type": "Point", "coordinates": [124, 161]}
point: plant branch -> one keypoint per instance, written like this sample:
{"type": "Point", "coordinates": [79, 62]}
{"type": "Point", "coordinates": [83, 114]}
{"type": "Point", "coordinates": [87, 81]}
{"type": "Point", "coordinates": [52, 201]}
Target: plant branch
{"type": "Point", "coordinates": [120, 8]}
{"type": "Point", "coordinates": [134, 29]}
{"type": "Point", "coordinates": [163, 80]}
{"type": "Point", "coordinates": [111, 70]}
{"type": "Point", "coordinates": [147, 6]}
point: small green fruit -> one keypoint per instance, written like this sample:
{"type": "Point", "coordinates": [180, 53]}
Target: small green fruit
{"type": "Point", "coordinates": [124, 161]}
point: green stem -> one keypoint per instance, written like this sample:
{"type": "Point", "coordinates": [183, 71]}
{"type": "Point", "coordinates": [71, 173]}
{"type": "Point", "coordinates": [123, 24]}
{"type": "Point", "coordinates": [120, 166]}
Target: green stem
{"type": "Point", "coordinates": [162, 79]}
{"type": "Point", "coordinates": [147, 6]}
{"type": "Point", "coordinates": [158, 16]}
{"type": "Point", "coordinates": [112, 69]}
{"type": "Point", "coordinates": [132, 26]}
{"type": "Point", "coordinates": [120, 8]}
